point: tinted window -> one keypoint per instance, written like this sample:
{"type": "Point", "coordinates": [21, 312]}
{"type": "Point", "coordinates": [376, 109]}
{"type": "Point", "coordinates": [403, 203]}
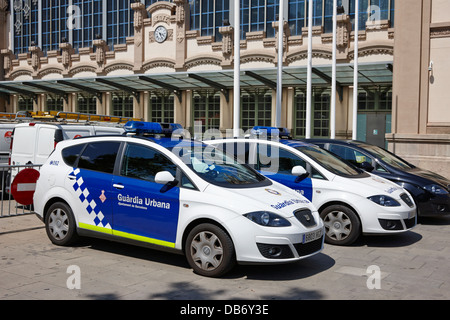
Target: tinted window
{"type": "Point", "coordinates": [70, 154]}
{"type": "Point", "coordinates": [275, 159]}
{"type": "Point", "coordinates": [331, 162]}
{"type": "Point", "coordinates": [144, 163]}
{"type": "Point", "coordinates": [350, 154]}
{"type": "Point", "coordinates": [388, 157]}
{"type": "Point", "coordinates": [218, 168]}
{"type": "Point", "coordinates": [99, 156]}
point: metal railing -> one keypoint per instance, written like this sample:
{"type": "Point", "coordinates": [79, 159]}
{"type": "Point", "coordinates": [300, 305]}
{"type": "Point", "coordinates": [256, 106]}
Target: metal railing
{"type": "Point", "coordinates": [8, 206]}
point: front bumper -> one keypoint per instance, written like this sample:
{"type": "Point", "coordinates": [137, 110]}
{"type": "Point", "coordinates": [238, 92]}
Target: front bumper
{"type": "Point", "coordinates": [270, 245]}
{"type": "Point", "coordinates": [294, 251]}
{"type": "Point", "coordinates": [387, 220]}
{"type": "Point", "coordinates": [437, 205]}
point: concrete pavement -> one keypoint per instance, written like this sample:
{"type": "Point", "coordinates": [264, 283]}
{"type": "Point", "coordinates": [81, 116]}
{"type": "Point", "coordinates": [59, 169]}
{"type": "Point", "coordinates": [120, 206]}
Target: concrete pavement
{"type": "Point", "coordinates": [413, 265]}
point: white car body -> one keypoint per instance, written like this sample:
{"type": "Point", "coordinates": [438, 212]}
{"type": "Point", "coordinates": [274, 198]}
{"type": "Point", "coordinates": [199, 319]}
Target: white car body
{"type": "Point", "coordinates": [325, 188]}
{"type": "Point", "coordinates": [124, 208]}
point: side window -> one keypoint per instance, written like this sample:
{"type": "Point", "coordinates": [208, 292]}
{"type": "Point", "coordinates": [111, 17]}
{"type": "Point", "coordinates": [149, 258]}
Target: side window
{"type": "Point", "coordinates": [186, 182]}
{"type": "Point", "coordinates": [144, 163]}
{"type": "Point", "coordinates": [71, 154]}
{"type": "Point", "coordinates": [379, 167]}
{"type": "Point", "coordinates": [316, 174]}
{"type": "Point", "coordinates": [353, 156]}
{"type": "Point", "coordinates": [99, 156]}
{"type": "Point", "coordinates": [275, 159]}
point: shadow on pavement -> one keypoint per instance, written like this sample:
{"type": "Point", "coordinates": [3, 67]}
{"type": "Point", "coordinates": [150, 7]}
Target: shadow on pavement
{"type": "Point", "coordinates": [387, 241]}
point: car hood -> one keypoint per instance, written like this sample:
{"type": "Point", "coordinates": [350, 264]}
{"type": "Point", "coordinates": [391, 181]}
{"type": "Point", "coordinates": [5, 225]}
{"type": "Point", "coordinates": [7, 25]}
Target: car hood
{"type": "Point", "coordinates": [275, 198]}
{"type": "Point", "coordinates": [369, 186]}
{"type": "Point", "coordinates": [428, 177]}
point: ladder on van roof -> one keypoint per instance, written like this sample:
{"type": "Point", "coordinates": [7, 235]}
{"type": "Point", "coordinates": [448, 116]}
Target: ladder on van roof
{"type": "Point", "coordinates": [64, 116]}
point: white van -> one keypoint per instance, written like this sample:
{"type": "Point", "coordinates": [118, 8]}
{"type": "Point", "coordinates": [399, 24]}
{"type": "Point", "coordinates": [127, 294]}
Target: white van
{"type": "Point", "coordinates": [33, 142]}
{"type": "Point", "coordinates": [6, 130]}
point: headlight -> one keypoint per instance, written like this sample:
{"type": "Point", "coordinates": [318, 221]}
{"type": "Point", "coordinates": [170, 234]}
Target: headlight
{"type": "Point", "coordinates": [436, 189]}
{"type": "Point", "coordinates": [384, 201]}
{"type": "Point", "coordinates": [267, 219]}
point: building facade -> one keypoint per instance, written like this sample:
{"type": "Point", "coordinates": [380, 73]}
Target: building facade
{"type": "Point", "coordinates": [173, 61]}
{"type": "Point", "coordinates": [421, 95]}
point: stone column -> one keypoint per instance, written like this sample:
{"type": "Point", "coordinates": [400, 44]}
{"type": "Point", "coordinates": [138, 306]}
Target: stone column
{"type": "Point", "coordinates": [139, 15]}
{"type": "Point", "coordinates": [36, 54]}
{"type": "Point", "coordinates": [227, 46]}
{"type": "Point", "coordinates": [182, 20]}
{"type": "Point", "coordinates": [66, 57]}
{"type": "Point", "coordinates": [100, 55]}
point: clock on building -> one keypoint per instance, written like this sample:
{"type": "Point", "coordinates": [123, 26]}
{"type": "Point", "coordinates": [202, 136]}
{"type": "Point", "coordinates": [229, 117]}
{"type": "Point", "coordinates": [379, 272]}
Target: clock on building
{"type": "Point", "coordinates": [160, 34]}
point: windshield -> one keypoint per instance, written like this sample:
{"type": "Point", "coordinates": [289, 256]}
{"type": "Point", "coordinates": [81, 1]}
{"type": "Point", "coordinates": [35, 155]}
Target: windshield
{"type": "Point", "coordinates": [330, 162]}
{"type": "Point", "coordinates": [218, 168]}
{"type": "Point", "coordinates": [388, 157]}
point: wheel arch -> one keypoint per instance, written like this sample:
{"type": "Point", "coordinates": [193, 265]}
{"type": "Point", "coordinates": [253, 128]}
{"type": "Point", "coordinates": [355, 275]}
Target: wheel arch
{"type": "Point", "coordinates": [50, 202]}
{"type": "Point", "coordinates": [197, 222]}
{"type": "Point", "coordinates": [340, 203]}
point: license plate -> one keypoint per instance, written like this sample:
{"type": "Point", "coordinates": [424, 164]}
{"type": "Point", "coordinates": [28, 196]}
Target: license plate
{"type": "Point", "coordinates": [311, 236]}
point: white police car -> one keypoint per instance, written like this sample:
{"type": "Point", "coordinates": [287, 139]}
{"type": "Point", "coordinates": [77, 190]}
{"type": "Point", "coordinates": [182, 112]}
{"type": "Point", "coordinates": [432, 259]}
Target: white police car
{"type": "Point", "coordinates": [350, 201]}
{"type": "Point", "coordinates": [179, 195]}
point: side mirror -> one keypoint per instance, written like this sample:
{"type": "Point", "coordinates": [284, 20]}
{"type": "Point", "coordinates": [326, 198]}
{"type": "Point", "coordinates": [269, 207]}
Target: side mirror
{"type": "Point", "coordinates": [366, 166]}
{"type": "Point", "coordinates": [164, 177]}
{"type": "Point", "coordinates": [300, 172]}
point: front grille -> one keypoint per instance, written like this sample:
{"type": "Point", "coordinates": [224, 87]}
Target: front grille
{"type": "Point", "coordinates": [304, 249]}
{"type": "Point", "coordinates": [407, 200]}
{"type": "Point", "coordinates": [305, 217]}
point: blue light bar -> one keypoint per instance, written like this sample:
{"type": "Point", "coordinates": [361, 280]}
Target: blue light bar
{"type": "Point", "coordinates": [140, 127]}
{"type": "Point", "coordinates": [270, 131]}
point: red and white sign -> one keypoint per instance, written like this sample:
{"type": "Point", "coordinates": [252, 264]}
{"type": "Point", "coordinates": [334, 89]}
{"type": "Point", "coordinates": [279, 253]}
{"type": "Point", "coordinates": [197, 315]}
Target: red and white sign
{"type": "Point", "coordinates": [24, 185]}
{"type": "Point", "coordinates": [7, 136]}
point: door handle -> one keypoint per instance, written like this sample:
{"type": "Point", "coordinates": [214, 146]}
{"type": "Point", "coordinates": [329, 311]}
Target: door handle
{"type": "Point", "coordinates": [118, 186]}
{"type": "Point", "coordinates": [72, 177]}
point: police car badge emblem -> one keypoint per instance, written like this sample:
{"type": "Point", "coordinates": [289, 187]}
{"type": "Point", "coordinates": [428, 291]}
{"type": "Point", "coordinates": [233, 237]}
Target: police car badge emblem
{"type": "Point", "coordinates": [102, 196]}
{"type": "Point", "coordinates": [275, 192]}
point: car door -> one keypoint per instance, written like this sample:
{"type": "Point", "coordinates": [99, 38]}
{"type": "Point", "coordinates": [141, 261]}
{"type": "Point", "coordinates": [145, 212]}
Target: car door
{"type": "Point", "coordinates": [143, 209]}
{"type": "Point", "coordinates": [276, 163]}
{"type": "Point", "coordinates": [90, 180]}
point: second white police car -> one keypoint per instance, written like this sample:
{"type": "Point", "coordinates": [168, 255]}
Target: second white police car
{"type": "Point", "coordinates": [350, 201]}
{"type": "Point", "coordinates": [172, 194]}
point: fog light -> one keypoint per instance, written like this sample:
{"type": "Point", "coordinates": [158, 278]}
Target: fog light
{"type": "Point", "coordinates": [274, 252]}
{"type": "Point", "coordinates": [391, 224]}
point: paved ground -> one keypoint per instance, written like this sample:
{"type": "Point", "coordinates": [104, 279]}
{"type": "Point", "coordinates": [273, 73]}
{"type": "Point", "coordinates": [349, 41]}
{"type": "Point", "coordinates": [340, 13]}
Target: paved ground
{"type": "Point", "coordinates": [414, 265]}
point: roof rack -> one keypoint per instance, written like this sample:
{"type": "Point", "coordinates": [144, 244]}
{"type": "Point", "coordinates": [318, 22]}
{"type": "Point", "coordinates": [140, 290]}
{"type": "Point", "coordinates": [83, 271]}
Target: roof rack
{"type": "Point", "coordinates": [64, 116]}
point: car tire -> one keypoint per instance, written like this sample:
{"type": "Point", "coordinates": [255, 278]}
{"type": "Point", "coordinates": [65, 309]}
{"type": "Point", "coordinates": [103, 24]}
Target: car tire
{"type": "Point", "coordinates": [209, 250]}
{"type": "Point", "coordinates": [60, 224]}
{"type": "Point", "coordinates": [342, 225]}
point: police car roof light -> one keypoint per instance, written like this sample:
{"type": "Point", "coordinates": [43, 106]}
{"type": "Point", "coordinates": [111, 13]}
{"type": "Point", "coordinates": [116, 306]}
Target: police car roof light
{"type": "Point", "coordinates": [270, 131]}
{"type": "Point", "coordinates": [141, 127]}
